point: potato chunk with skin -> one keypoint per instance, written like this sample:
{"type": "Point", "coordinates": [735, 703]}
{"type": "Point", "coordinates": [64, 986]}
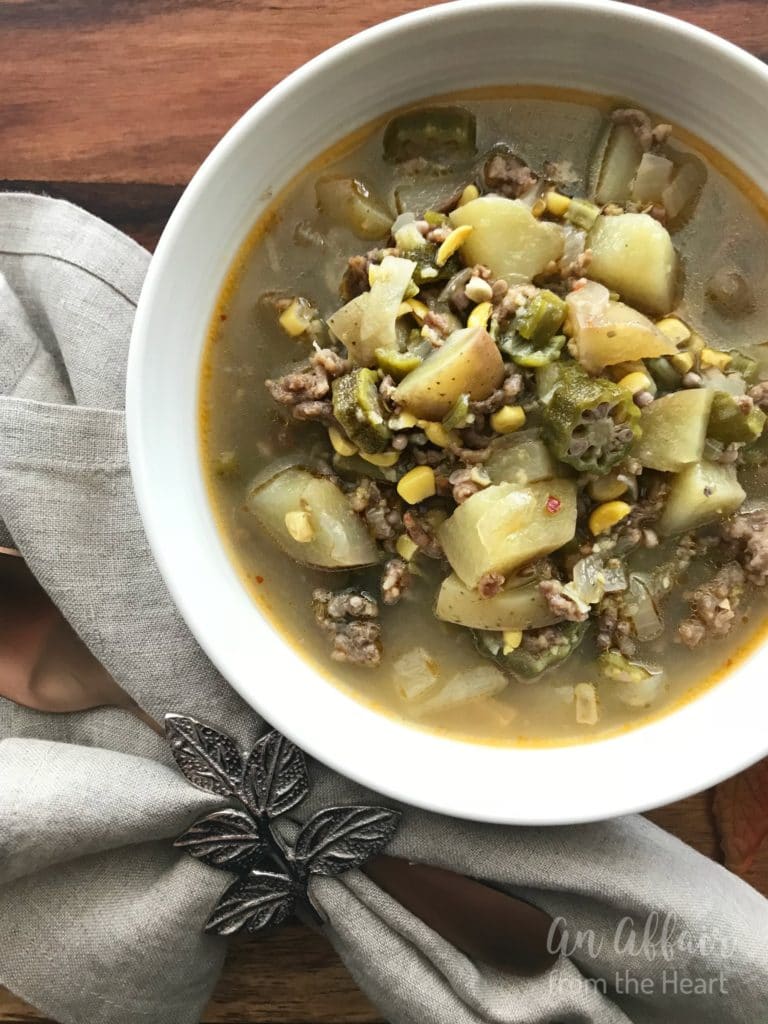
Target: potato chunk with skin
{"type": "Point", "coordinates": [504, 526]}
{"type": "Point", "coordinates": [515, 607]}
{"type": "Point", "coordinates": [633, 255]}
{"type": "Point", "coordinates": [701, 493]}
{"type": "Point", "coordinates": [338, 538]}
{"type": "Point", "coordinates": [607, 332]}
{"type": "Point", "coordinates": [507, 238]}
{"type": "Point", "coordinates": [674, 429]}
{"type": "Point", "coordinates": [468, 363]}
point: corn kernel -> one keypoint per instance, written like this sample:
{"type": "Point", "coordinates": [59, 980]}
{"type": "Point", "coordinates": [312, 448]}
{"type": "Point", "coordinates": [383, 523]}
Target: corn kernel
{"type": "Point", "coordinates": [607, 488]}
{"type": "Point", "coordinates": [296, 319]}
{"type": "Point", "coordinates": [711, 357]}
{"type": "Point", "coordinates": [339, 443]}
{"type": "Point", "coordinates": [674, 329]}
{"type": "Point", "coordinates": [452, 244]}
{"type": "Point", "coordinates": [299, 525]}
{"type": "Point", "coordinates": [508, 420]}
{"type": "Point", "coordinates": [419, 309]}
{"type": "Point", "coordinates": [437, 434]}
{"type": "Point", "coordinates": [539, 207]}
{"type": "Point", "coordinates": [480, 315]}
{"type": "Point", "coordinates": [636, 382]}
{"type": "Point", "coordinates": [511, 638]}
{"type": "Point", "coordinates": [385, 460]}
{"type": "Point", "coordinates": [607, 515]}
{"type": "Point", "coordinates": [557, 204]}
{"type": "Point", "coordinates": [682, 362]}
{"type": "Point", "coordinates": [405, 547]}
{"type": "Point", "coordinates": [417, 484]}
{"type": "Point", "coordinates": [470, 192]}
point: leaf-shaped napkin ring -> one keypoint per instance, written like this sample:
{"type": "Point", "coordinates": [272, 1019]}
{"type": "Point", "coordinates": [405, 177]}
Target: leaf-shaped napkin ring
{"type": "Point", "coordinates": [273, 876]}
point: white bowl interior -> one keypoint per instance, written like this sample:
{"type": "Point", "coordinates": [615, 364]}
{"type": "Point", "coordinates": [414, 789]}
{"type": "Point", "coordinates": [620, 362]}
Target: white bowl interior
{"type": "Point", "coordinates": [684, 74]}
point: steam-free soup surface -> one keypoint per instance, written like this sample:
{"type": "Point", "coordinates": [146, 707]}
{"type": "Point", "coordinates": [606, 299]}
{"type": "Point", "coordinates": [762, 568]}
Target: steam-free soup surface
{"type": "Point", "coordinates": [482, 416]}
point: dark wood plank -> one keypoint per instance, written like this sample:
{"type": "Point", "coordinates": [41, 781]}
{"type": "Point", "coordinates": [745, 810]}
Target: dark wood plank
{"type": "Point", "coordinates": [141, 91]}
{"type": "Point", "coordinates": [292, 976]}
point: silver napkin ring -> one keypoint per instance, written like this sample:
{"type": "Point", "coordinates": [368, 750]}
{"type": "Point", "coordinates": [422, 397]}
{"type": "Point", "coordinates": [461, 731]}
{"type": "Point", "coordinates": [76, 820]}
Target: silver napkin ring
{"type": "Point", "coordinates": [273, 875]}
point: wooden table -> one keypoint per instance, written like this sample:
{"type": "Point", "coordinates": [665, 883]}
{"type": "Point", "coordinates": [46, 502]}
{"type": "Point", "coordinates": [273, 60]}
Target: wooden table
{"type": "Point", "coordinates": [114, 105]}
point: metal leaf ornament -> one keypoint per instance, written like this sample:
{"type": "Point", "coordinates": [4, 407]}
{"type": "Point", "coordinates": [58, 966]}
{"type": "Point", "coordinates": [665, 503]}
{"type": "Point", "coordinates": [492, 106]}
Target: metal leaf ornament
{"type": "Point", "coordinates": [270, 781]}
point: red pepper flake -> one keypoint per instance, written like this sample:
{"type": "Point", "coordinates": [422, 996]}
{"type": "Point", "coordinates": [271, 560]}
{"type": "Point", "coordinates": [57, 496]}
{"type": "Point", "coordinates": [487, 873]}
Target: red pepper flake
{"type": "Point", "coordinates": [223, 317]}
{"type": "Point", "coordinates": [553, 504]}
{"type": "Point", "coordinates": [259, 579]}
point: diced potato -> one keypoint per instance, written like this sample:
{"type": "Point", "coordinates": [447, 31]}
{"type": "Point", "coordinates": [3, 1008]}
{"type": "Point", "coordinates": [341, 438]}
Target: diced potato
{"type": "Point", "coordinates": [674, 429]}
{"type": "Point", "coordinates": [339, 538]}
{"type": "Point", "coordinates": [515, 607]}
{"type": "Point", "coordinates": [681, 197]}
{"type": "Point", "coordinates": [633, 255]}
{"type": "Point", "coordinates": [606, 332]}
{"type": "Point", "coordinates": [653, 176]}
{"type": "Point", "coordinates": [621, 158]}
{"type": "Point", "coordinates": [507, 238]}
{"type": "Point", "coordinates": [481, 682]}
{"type": "Point", "coordinates": [520, 459]}
{"type": "Point", "coordinates": [367, 323]}
{"type": "Point", "coordinates": [347, 201]}
{"type": "Point", "coordinates": [699, 494]}
{"type": "Point", "coordinates": [468, 363]}
{"type": "Point", "coordinates": [504, 526]}
{"type": "Point", "coordinates": [346, 323]}
{"type": "Point", "coordinates": [416, 673]}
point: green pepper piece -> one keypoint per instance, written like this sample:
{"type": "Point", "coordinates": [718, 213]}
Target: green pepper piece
{"type": "Point", "coordinates": [729, 424]}
{"type": "Point", "coordinates": [529, 664]}
{"type": "Point", "coordinates": [358, 407]}
{"type": "Point", "coordinates": [432, 132]}
{"type": "Point", "coordinates": [427, 272]}
{"type": "Point", "coordinates": [663, 372]}
{"type": "Point", "coordinates": [590, 423]}
{"type": "Point", "coordinates": [527, 353]}
{"type": "Point", "coordinates": [396, 364]}
{"type": "Point", "coordinates": [744, 365]}
{"type": "Point", "coordinates": [542, 318]}
{"type": "Point", "coordinates": [582, 214]}
{"type": "Point", "coordinates": [353, 467]}
{"type": "Point", "coordinates": [456, 417]}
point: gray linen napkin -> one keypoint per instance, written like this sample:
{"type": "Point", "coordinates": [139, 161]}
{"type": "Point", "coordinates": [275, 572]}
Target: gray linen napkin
{"type": "Point", "coordinates": [100, 918]}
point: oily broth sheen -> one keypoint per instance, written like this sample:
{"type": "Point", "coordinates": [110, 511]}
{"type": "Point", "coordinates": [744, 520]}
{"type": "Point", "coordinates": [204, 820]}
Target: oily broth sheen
{"type": "Point", "coordinates": [245, 345]}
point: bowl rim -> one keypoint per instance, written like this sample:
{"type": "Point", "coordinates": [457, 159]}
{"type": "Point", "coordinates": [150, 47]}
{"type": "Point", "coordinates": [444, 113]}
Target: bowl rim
{"type": "Point", "coordinates": [451, 797]}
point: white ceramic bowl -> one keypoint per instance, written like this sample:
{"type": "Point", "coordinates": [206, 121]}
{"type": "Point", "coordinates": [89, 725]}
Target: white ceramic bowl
{"type": "Point", "coordinates": [682, 73]}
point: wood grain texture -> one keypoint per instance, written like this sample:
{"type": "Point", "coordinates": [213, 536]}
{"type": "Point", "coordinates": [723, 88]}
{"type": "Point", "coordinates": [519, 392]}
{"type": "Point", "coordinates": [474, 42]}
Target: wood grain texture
{"type": "Point", "coordinates": [113, 105]}
{"type": "Point", "coordinates": [140, 92]}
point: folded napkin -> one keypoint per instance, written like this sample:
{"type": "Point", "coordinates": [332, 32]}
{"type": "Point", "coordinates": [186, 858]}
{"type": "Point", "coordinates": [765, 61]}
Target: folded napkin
{"type": "Point", "coordinates": [101, 919]}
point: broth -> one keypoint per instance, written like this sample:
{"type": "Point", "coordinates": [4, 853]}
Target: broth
{"type": "Point", "coordinates": [243, 432]}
